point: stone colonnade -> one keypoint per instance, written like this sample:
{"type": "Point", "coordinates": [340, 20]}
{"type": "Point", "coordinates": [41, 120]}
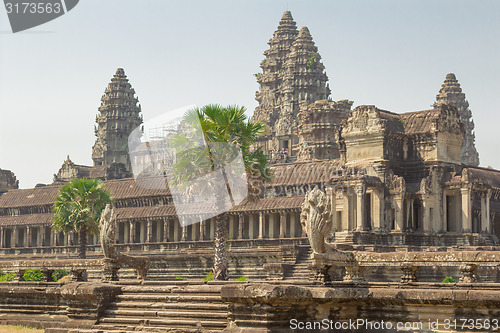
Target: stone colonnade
{"type": "Point", "coordinates": [361, 208]}
{"type": "Point", "coordinates": [37, 236]}
{"type": "Point", "coordinates": [249, 225]}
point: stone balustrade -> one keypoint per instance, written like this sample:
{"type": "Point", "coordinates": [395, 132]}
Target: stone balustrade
{"type": "Point", "coordinates": [409, 263]}
{"type": "Point", "coordinates": [76, 267]}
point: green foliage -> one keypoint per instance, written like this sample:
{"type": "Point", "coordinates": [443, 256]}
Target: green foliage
{"type": "Point", "coordinates": [5, 277]}
{"type": "Point", "coordinates": [59, 274]}
{"type": "Point", "coordinates": [448, 279]}
{"type": "Point", "coordinates": [218, 124]}
{"type": "Point", "coordinates": [80, 203]}
{"type": "Point", "coordinates": [33, 275]}
{"type": "Point", "coordinates": [263, 62]}
{"type": "Point", "coordinates": [179, 278]}
{"type": "Point", "coordinates": [209, 277]}
{"type": "Point", "coordinates": [311, 60]}
{"type": "Point", "coordinates": [242, 278]}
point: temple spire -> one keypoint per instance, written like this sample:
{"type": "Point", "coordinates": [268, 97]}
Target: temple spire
{"type": "Point", "coordinates": [451, 94]}
{"type": "Point", "coordinates": [119, 114]}
{"type": "Point", "coordinates": [279, 46]}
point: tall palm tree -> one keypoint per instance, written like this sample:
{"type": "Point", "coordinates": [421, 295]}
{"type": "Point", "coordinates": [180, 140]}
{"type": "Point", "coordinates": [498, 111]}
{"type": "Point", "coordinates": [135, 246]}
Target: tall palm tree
{"type": "Point", "coordinates": [78, 208]}
{"type": "Point", "coordinates": [213, 125]}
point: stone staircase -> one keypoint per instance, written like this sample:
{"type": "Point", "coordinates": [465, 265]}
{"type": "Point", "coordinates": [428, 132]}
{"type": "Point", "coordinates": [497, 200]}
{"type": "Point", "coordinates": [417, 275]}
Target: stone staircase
{"type": "Point", "coordinates": [300, 270]}
{"type": "Point", "coordinates": [161, 307]}
{"type": "Point", "coordinates": [343, 237]}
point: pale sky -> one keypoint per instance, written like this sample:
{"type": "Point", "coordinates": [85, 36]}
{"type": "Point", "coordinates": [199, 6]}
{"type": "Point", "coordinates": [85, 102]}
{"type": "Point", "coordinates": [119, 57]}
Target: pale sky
{"type": "Point", "coordinates": [392, 54]}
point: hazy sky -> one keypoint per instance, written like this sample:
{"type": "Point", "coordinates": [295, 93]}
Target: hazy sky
{"type": "Point", "coordinates": [393, 54]}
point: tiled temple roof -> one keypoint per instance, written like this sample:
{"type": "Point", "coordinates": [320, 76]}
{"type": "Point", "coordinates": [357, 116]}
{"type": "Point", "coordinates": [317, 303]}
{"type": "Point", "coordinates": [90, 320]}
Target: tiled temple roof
{"type": "Point", "coordinates": [169, 211]}
{"type": "Point", "coordinates": [393, 121]}
{"type": "Point", "coordinates": [27, 219]}
{"type": "Point", "coordinates": [120, 189]}
{"type": "Point", "coordinates": [304, 172]}
{"type": "Point", "coordinates": [487, 176]}
{"type": "Point", "coordinates": [420, 121]}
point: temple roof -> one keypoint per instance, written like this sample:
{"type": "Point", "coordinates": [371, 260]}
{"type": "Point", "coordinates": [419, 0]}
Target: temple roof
{"type": "Point", "coordinates": [487, 176]}
{"type": "Point", "coordinates": [120, 189]}
{"type": "Point", "coordinates": [304, 172]}
{"type": "Point", "coordinates": [419, 121]}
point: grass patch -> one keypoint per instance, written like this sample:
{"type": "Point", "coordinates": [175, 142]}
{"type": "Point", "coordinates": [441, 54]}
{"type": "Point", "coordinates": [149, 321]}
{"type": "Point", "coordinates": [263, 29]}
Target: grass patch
{"type": "Point", "coordinates": [18, 329]}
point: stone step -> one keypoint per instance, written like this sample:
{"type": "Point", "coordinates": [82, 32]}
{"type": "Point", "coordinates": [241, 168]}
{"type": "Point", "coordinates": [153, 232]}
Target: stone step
{"type": "Point", "coordinates": [161, 305]}
{"type": "Point", "coordinates": [199, 289]}
{"type": "Point", "coordinates": [169, 298]}
{"type": "Point", "coordinates": [130, 329]}
{"type": "Point", "coordinates": [147, 314]}
{"type": "Point", "coordinates": [176, 323]}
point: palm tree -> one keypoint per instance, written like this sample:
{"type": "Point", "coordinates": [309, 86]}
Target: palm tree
{"type": "Point", "coordinates": [226, 132]}
{"type": "Point", "coordinates": [78, 208]}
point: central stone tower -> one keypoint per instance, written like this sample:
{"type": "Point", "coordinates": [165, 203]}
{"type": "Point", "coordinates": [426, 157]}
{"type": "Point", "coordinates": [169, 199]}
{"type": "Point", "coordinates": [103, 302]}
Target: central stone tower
{"type": "Point", "coordinates": [292, 75]}
{"type": "Point", "coordinates": [119, 114]}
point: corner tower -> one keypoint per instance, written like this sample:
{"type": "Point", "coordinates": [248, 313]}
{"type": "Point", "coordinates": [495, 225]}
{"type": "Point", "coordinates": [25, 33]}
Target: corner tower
{"type": "Point", "coordinates": [451, 94]}
{"type": "Point", "coordinates": [119, 114]}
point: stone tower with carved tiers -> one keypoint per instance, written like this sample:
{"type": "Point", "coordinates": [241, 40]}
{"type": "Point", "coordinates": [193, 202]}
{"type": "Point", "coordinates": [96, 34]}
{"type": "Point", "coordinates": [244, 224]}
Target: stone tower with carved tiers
{"type": "Point", "coordinates": [451, 94]}
{"type": "Point", "coordinates": [119, 114]}
{"type": "Point", "coordinates": [292, 75]}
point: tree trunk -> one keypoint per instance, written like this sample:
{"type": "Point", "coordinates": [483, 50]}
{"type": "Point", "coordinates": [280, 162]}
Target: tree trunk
{"type": "Point", "coordinates": [220, 262]}
{"type": "Point", "coordinates": [82, 250]}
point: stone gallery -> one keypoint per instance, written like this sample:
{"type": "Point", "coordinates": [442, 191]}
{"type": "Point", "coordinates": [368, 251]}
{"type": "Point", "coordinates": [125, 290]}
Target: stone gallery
{"type": "Point", "coordinates": [366, 213]}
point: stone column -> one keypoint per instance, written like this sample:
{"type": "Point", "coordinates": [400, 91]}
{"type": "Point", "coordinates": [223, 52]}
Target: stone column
{"type": "Point", "coordinates": [202, 229]}
{"type": "Point", "coordinates": [251, 225]}
{"type": "Point", "coordinates": [132, 232]}
{"type": "Point", "coordinates": [488, 211]}
{"type": "Point", "coordinates": [293, 225]}
{"type": "Point", "coordinates": [261, 225]}
{"type": "Point", "coordinates": [333, 199]}
{"type": "Point", "coordinates": [39, 236]}
{"type": "Point", "coordinates": [149, 231]}
{"type": "Point", "coordinates": [166, 230]}
{"type": "Point", "coordinates": [360, 208]}
{"type": "Point", "coordinates": [43, 241]}
{"type": "Point", "coordinates": [485, 211]}
{"type": "Point", "coordinates": [378, 210]}
{"type": "Point", "coordinates": [345, 211]}
{"type": "Point", "coordinates": [426, 219]}
{"type": "Point", "coordinates": [466, 210]}
{"type": "Point", "coordinates": [241, 220]}
{"type": "Point", "coordinates": [1, 237]}
{"type": "Point", "coordinates": [399, 218]}
{"type": "Point", "coordinates": [177, 225]}
{"type": "Point", "coordinates": [282, 224]}
{"type": "Point", "coordinates": [53, 238]}
{"type": "Point", "coordinates": [184, 228]}
{"type": "Point", "coordinates": [14, 237]}
{"type": "Point", "coordinates": [27, 243]}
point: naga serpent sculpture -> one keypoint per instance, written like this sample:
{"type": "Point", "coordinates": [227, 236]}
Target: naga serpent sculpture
{"type": "Point", "coordinates": [114, 260]}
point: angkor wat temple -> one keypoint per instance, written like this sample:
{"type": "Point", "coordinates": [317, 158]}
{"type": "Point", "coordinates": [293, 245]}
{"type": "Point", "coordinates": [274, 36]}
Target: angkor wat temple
{"type": "Point", "coordinates": [393, 177]}
{"type": "Point", "coordinates": [396, 182]}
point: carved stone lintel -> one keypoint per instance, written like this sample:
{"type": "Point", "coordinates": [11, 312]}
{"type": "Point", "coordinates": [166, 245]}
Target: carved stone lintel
{"type": "Point", "coordinates": [468, 273]}
{"type": "Point", "coordinates": [409, 273]}
{"type": "Point", "coordinates": [354, 274]}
